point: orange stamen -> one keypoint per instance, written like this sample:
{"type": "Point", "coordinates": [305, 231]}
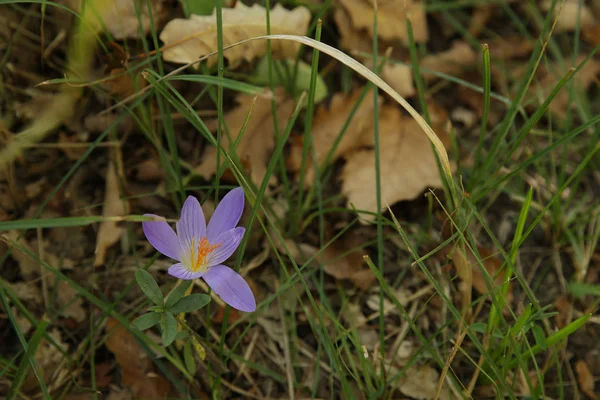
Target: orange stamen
{"type": "Point", "coordinates": [204, 250]}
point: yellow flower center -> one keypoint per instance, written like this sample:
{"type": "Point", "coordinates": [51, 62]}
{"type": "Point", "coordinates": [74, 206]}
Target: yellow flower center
{"type": "Point", "coordinates": [204, 250]}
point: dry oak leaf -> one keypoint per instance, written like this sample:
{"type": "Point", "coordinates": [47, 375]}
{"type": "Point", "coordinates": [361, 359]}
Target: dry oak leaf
{"type": "Point", "coordinates": [50, 361]}
{"type": "Point", "coordinates": [350, 38]}
{"type": "Point", "coordinates": [109, 232]}
{"type": "Point", "coordinates": [420, 382]}
{"type": "Point", "coordinates": [572, 14]}
{"type": "Point", "coordinates": [342, 262]}
{"type": "Point", "coordinates": [585, 378]}
{"type": "Point", "coordinates": [391, 17]}
{"type": "Point", "coordinates": [186, 40]}
{"type": "Point", "coordinates": [592, 34]}
{"type": "Point", "coordinates": [506, 48]}
{"type": "Point", "coordinates": [258, 138]}
{"type": "Point", "coordinates": [137, 369]}
{"type": "Point", "coordinates": [453, 61]}
{"type": "Point", "coordinates": [30, 269]}
{"type": "Point", "coordinates": [327, 126]}
{"type": "Point", "coordinates": [69, 302]}
{"type": "Point", "coordinates": [407, 161]}
{"type": "Point", "coordinates": [121, 17]}
{"type": "Point", "coordinates": [28, 292]}
{"type": "Point", "coordinates": [398, 76]}
{"type": "Point", "coordinates": [469, 270]}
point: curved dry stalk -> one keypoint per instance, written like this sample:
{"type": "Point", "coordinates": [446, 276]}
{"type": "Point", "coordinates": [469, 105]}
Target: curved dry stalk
{"type": "Point", "coordinates": [344, 59]}
{"type": "Point", "coordinates": [331, 51]}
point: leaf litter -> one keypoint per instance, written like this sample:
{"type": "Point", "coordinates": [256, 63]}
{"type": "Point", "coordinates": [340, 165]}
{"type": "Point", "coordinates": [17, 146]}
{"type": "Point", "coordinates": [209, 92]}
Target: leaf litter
{"type": "Point", "coordinates": [187, 40]}
{"type": "Point", "coordinates": [256, 136]}
{"type": "Point", "coordinates": [346, 178]}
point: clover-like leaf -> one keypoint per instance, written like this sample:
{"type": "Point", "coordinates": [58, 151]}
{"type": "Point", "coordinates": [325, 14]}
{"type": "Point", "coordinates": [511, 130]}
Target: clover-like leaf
{"type": "Point", "coordinates": [146, 321]}
{"type": "Point", "coordinates": [177, 294]}
{"type": "Point", "coordinates": [190, 303]}
{"type": "Point", "coordinates": [168, 324]}
{"type": "Point", "coordinates": [149, 286]}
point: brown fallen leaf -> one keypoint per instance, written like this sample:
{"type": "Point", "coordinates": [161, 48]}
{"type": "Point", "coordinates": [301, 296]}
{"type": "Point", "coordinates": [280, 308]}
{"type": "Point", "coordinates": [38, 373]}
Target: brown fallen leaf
{"type": "Point", "coordinates": [391, 17]}
{"type": "Point", "coordinates": [150, 169]}
{"type": "Point", "coordinates": [124, 17]}
{"type": "Point", "coordinates": [68, 300]}
{"type": "Point", "coordinates": [507, 48]}
{"type": "Point", "coordinates": [30, 269]}
{"type": "Point", "coordinates": [480, 18]}
{"type": "Point", "coordinates": [327, 125]}
{"type": "Point", "coordinates": [420, 382]}
{"type": "Point", "coordinates": [469, 265]}
{"type": "Point", "coordinates": [348, 266]}
{"type": "Point", "coordinates": [137, 369]}
{"type": "Point", "coordinates": [186, 40]}
{"type": "Point", "coordinates": [352, 314]}
{"type": "Point", "coordinates": [572, 14]}
{"type": "Point", "coordinates": [109, 232]}
{"type": "Point", "coordinates": [258, 137]}
{"type": "Point", "coordinates": [454, 61]}
{"type": "Point", "coordinates": [398, 76]}
{"type": "Point", "coordinates": [585, 378]}
{"type": "Point", "coordinates": [122, 81]}
{"type": "Point", "coordinates": [564, 310]}
{"type": "Point", "coordinates": [407, 161]}
{"type": "Point", "coordinates": [28, 292]}
{"type": "Point", "coordinates": [119, 394]}
{"type": "Point", "coordinates": [350, 38]}
{"type": "Point", "coordinates": [50, 361]}
{"type": "Point", "coordinates": [103, 375]}
{"type": "Point", "coordinates": [592, 34]}
{"type": "Point", "coordinates": [22, 322]}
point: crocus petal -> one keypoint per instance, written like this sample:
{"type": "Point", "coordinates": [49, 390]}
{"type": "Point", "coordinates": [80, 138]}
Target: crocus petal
{"type": "Point", "coordinates": [227, 215]}
{"type": "Point", "coordinates": [191, 226]}
{"type": "Point", "coordinates": [228, 242]}
{"type": "Point", "coordinates": [180, 271]}
{"type": "Point", "coordinates": [231, 287]}
{"type": "Point", "coordinates": [162, 237]}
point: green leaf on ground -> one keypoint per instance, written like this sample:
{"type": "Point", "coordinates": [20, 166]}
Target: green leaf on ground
{"type": "Point", "coordinates": [168, 324]}
{"type": "Point", "coordinates": [190, 303]}
{"type": "Point", "coordinates": [177, 294]}
{"type": "Point", "coordinates": [149, 286]}
{"type": "Point", "coordinates": [146, 321]}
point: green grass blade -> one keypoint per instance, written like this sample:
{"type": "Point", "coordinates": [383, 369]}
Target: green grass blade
{"type": "Point", "coordinates": [27, 361]}
{"type": "Point", "coordinates": [557, 337]}
{"type": "Point", "coordinates": [487, 84]}
{"type": "Point", "coordinates": [220, 82]}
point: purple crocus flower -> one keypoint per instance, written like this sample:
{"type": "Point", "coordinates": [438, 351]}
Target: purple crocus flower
{"type": "Point", "coordinates": [201, 249]}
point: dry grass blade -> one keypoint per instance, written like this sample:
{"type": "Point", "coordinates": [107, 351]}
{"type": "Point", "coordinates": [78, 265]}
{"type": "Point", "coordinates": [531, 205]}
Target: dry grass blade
{"type": "Point", "coordinates": [377, 81]}
{"type": "Point", "coordinates": [344, 59]}
{"type": "Point", "coordinates": [407, 164]}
